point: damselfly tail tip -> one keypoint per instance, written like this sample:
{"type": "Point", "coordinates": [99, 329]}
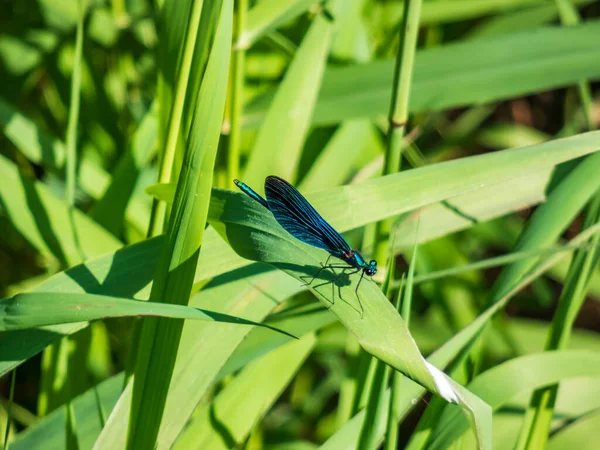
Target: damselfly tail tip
{"type": "Point", "coordinates": [236, 182]}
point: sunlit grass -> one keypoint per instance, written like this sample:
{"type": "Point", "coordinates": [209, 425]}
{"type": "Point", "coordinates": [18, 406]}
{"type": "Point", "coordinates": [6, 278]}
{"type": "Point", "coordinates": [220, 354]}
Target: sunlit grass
{"type": "Point", "coordinates": [119, 129]}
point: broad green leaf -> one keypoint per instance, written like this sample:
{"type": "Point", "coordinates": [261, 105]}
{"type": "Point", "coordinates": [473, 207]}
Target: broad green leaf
{"type": "Point", "coordinates": [448, 76]}
{"type": "Point", "coordinates": [253, 232]}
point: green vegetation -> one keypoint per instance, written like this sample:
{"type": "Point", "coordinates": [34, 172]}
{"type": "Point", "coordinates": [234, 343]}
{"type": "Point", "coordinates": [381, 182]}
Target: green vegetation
{"type": "Point", "coordinates": [148, 304]}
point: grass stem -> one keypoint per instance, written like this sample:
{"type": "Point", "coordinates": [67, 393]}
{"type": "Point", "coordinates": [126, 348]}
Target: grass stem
{"type": "Point", "coordinates": [398, 113]}
{"type": "Point", "coordinates": [165, 174]}
{"type": "Point", "coordinates": [236, 93]}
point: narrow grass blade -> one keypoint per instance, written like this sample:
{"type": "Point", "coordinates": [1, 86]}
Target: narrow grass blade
{"type": "Point", "coordinates": [403, 306]}
{"type": "Point", "coordinates": [44, 220]}
{"type": "Point", "coordinates": [159, 340]}
{"type": "Point", "coordinates": [551, 218]}
{"type": "Point", "coordinates": [72, 125]}
{"type": "Point", "coordinates": [40, 309]}
{"type": "Point", "coordinates": [181, 36]}
{"type": "Point", "coordinates": [447, 11]}
{"type": "Point", "coordinates": [398, 110]}
{"type": "Point", "coordinates": [267, 15]}
{"type": "Point", "coordinates": [48, 432]}
{"type": "Point", "coordinates": [198, 365]}
{"type": "Point", "coordinates": [336, 161]}
{"type": "Point", "coordinates": [236, 411]}
{"type": "Point", "coordinates": [449, 76]}
{"type": "Point", "coordinates": [279, 142]}
{"type": "Point", "coordinates": [110, 210]}
{"type": "Point", "coordinates": [539, 415]}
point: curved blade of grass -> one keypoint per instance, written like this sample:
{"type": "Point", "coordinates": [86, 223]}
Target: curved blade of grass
{"type": "Point", "coordinates": [551, 218]}
{"type": "Point", "coordinates": [245, 399]}
{"type": "Point", "coordinates": [279, 142]}
{"type": "Point", "coordinates": [297, 322]}
{"type": "Point", "coordinates": [38, 309]}
{"type": "Point", "coordinates": [198, 365]}
{"type": "Point", "coordinates": [347, 436]}
{"type": "Point", "coordinates": [449, 76]}
{"type": "Point", "coordinates": [535, 429]}
{"type": "Point", "coordinates": [501, 383]}
{"type": "Point", "coordinates": [253, 233]}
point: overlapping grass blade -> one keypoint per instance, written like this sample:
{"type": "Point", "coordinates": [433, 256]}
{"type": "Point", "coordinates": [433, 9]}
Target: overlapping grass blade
{"type": "Point", "coordinates": [254, 234]}
{"type": "Point", "coordinates": [541, 369]}
{"type": "Point", "coordinates": [446, 11]}
{"type": "Point", "coordinates": [347, 436]}
{"type": "Point", "coordinates": [198, 366]}
{"type": "Point", "coordinates": [287, 121]}
{"type": "Point", "coordinates": [159, 340]}
{"type": "Point", "coordinates": [38, 309]}
{"type": "Point", "coordinates": [110, 210]}
{"type": "Point", "coordinates": [265, 16]}
{"type": "Point", "coordinates": [577, 434]}
{"type": "Point", "coordinates": [449, 76]}
{"type": "Point", "coordinates": [341, 206]}
{"type": "Point", "coordinates": [236, 411]}
{"type": "Point", "coordinates": [336, 161]}
{"type": "Point", "coordinates": [44, 219]}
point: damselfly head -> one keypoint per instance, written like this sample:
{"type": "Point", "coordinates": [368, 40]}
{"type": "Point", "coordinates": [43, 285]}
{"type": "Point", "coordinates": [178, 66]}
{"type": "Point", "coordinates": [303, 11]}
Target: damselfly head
{"type": "Point", "coordinates": [371, 268]}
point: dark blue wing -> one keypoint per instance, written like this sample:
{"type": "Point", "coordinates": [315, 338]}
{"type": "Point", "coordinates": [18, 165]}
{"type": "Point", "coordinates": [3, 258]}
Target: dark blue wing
{"type": "Point", "coordinates": [300, 219]}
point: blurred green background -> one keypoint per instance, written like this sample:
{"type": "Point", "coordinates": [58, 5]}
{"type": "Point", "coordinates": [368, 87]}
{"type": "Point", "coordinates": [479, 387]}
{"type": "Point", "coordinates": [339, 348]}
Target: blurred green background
{"type": "Point", "coordinates": [101, 100]}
